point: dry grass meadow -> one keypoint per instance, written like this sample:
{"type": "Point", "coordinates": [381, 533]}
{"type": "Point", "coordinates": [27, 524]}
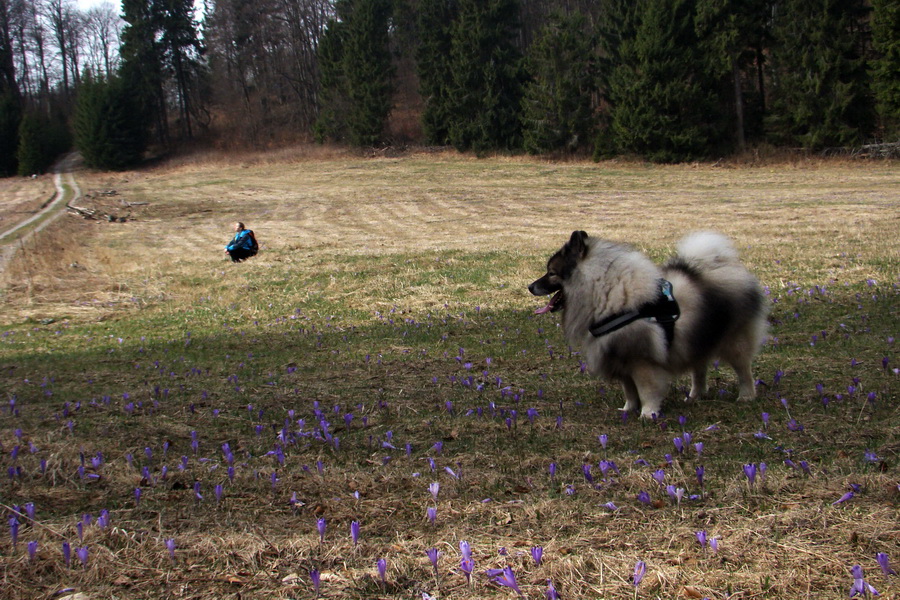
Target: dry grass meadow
{"type": "Point", "coordinates": [383, 340]}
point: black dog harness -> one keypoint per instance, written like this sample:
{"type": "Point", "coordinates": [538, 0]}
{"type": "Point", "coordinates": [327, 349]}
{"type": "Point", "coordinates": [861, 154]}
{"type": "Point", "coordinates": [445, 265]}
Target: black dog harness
{"type": "Point", "coordinates": [663, 310]}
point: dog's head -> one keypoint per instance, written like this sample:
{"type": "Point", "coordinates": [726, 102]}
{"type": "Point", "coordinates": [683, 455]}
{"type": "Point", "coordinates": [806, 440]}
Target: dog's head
{"type": "Point", "coordinates": [559, 268]}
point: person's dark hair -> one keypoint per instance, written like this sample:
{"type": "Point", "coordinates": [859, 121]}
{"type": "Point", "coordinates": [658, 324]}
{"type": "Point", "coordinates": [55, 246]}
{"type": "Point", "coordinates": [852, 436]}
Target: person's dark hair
{"type": "Point", "coordinates": [240, 226]}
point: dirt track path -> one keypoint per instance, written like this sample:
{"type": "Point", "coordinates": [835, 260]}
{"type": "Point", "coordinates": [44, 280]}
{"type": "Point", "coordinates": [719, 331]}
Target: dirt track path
{"type": "Point", "coordinates": [9, 242]}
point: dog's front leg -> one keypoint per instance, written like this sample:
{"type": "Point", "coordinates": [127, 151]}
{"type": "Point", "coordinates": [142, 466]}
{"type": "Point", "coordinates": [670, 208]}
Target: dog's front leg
{"type": "Point", "coordinates": [652, 384]}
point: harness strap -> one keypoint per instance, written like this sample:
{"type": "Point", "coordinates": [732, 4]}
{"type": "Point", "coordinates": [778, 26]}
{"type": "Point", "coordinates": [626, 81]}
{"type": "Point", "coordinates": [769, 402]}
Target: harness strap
{"type": "Point", "coordinates": [663, 310]}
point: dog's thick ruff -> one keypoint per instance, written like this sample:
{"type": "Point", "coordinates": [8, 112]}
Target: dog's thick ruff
{"type": "Point", "coordinates": [664, 311]}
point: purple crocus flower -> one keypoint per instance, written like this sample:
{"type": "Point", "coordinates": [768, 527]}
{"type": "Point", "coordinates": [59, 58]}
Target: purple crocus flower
{"type": "Point", "coordinates": [882, 559]}
{"type": "Point", "coordinates": [506, 578]}
{"type": "Point", "coordinates": [354, 532]}
{"type": "Point", "coordinates": [170, 546]}
{"type": "Point", "coordinates": [750, 472]}
{"type": "Point", "coordinates": [316, 579]}
{"type": "Point", "coordinates": [433, 554]}
{"type": "Point", "coordinates": [466, 564]}
{"type": "Point", "coordinates": [679, 444]}
{"type": "Point", "coordinates": [586, 471]}
{"type": "Point", "coordinates": [604, 439]}
{"type": "Point", "coordinates": [67, 553]}
{"type": "Point", "coordinates": [551, 593]}
{"type": "Point", "coordinates": [434, 488]}
{"type": "Point", "coordinates": [843, 499]}
{"type": "Point", "coordinates": [431, 513]}
{"type": "Point", "coordinates": [465, 549]}
{"type": "Point", "coordinates": [700, 472]}
{"type": "Point", "coordinates": [640, 569]}
{"type": "Point", "coordinates": [608, 465]}
{"type": "Point", "coordinates": [381, 565]}
{"type": "Point", "coordinates": [32, 550]}
{"type": "Point", "coordinates": [698, 448]}
{"type": "Point", "coordinates": [643, 497]}
{"type": "Point", "coordinates": [552, 470]}
{"type": "Point", "coordinates": [14, 531]}
{"type": "Point", "coordinates": [82, 554]}
{"type": "Point", "coordinates": [714, 544]}
{"type": "Point", "coordinates": [794, 425]}
{"type": "Point", "coordinates": [660, 476]}
{"type": "Point", "coordinates": [537, 553]}
{"type": "Point", "coordinates": [701, 537]}
{"type": "Point", "coordinates": [860, 587]}
{"type": "Point", "coordinates": [320, 525]}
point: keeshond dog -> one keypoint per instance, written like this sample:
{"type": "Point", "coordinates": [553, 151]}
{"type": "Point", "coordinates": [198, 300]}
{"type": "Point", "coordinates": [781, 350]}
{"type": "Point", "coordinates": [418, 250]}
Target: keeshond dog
{"type": "Point", "coordinates": [643, 324]}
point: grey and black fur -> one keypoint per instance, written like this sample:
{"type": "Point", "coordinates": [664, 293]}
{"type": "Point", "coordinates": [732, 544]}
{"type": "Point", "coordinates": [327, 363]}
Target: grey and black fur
{"type": "Point", "coordinates": [723, 313]}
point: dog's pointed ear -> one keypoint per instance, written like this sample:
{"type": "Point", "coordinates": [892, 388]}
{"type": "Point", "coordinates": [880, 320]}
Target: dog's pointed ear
{"type": "Point", "coordinates": [578, 243]}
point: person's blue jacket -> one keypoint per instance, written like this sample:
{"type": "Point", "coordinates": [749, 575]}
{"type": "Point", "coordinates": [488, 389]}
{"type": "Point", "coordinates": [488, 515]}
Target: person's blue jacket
{"type": "Point", "coordinates": [243, 240]}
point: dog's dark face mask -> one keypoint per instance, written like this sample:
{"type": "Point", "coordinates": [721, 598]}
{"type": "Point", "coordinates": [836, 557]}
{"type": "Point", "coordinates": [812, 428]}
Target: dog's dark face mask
{"type": "Point", "coordinates": [559, 268]}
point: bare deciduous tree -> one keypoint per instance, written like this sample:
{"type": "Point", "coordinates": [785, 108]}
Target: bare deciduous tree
{"type": "Point", "coordinates": [103, 30]}
{"type": "Point", "coordinates": [262, 54]}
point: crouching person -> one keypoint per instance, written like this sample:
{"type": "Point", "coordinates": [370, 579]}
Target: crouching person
{"type": "Point", "coordinates": [243, 245]}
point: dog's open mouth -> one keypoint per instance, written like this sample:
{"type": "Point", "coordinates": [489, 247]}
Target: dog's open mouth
{"type": "Point", "coordinates": [555, 304]}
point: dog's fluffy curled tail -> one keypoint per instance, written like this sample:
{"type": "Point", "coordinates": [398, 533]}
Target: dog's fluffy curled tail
{"type": "Point", "coordinates": [706, 250]}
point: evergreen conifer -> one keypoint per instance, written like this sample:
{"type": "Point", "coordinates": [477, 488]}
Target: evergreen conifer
{"type": "Point", "coordinates": [556, 107]}
{"type": "Point", "coordinates": [107, 132]}
{"type": "Point", "coordinates": [663, 106]}
{"type": "Point", "coordinates": [433, 66]}
{"type": "Point", "coordinates": [886, 66]}
{"type": "Point", "coordinates": [821, 93]}
{"type": "Point", "coordinates": [487, 77]}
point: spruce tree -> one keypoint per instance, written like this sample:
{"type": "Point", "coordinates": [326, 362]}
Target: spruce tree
{"type": "Point", "coordinates": [663, 106]}
{"type": "Point", "coordinates": [10, 116]}
{"type": "Point", "coordinates": [821, 93]}
{"type": "Point", "coordinates": [487, 77]}
{"type": "Point", "coordinates": [142, 63]}
{"type": "Point", "coordinates": [42, 139]}
{"type": "Point", "coordinates": [886, 66]}
{"type": "Point", "coordinates": [331, 123]}
{"type": "Point", "coordinates": [733, 35]}
{"type": "Point", "coordinates": [433, 66]}
{"type": "Point", "coordinates": [616, 28]}
{"type": "Point", "coordinates": [34, 153]}
{"type": "Point", "coordinates": [556, 107]}
{"type": "Point", "coordinates": [106, 130]}
{"type": "Point", "coordinates": [369, 72]}
{"type": "Point", "coordinates": [181, 50]}
{"type": "Point", "coordinates": [356, 73]}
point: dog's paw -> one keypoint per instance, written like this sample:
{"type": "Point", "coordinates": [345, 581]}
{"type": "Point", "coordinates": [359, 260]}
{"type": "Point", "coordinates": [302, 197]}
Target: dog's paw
{"type": "Point", "coordinates": [630, 407]}
{"type": "Point", "coordinates": [649, 414]}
